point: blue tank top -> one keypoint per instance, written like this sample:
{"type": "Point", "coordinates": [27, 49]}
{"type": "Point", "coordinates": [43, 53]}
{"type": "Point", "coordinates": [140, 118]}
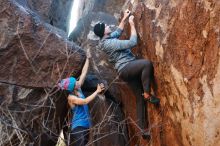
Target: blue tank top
{"type": "Point", "coordinates": [80, 114]}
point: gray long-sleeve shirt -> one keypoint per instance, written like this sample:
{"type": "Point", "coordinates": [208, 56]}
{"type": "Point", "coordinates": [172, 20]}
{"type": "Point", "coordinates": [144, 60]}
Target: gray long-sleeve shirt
{"type": "Point", "coordinates": [119, 51]}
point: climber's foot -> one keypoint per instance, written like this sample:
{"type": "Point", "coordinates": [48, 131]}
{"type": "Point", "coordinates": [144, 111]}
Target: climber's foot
{"type": "Point", "coordinates": [152, 99]}
{"type": "Point", "coordinates": [145, 134]}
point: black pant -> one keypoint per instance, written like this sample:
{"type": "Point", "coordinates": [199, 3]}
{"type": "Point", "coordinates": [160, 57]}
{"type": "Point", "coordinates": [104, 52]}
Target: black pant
{"type": "Point", "coordinates": [139, 74]}
{"type": "Point", "coordinates": [79, 136]}
{"type": "Point", "coordinates": [139, 69]}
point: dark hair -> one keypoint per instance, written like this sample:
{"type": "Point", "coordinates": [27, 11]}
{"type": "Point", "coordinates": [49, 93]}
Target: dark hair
{"type": "Point", "coordinates": [99, 29]}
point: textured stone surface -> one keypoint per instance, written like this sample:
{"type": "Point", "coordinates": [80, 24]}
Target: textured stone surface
{"type": "Point", "coordinates": [33, 53]}
{"type": "Point", "coordinates": [59, 13]}
{"type": "Point", "coordinates": [109, 127]}
{"type": "Point", "coordinates": [41, 114]}
{"type": "Point", "coordinates": [41, 7]}
{"type": "Point", "coordinates": [54, 12]}
{"type": "Point", "coordinates": [30, 116]}
{"type": "Point", "coordinates": [182, 40]}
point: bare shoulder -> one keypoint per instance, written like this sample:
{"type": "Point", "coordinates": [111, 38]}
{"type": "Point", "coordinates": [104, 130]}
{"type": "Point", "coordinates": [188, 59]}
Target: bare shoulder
{"type": "Point", "coordinates": [71, 100]}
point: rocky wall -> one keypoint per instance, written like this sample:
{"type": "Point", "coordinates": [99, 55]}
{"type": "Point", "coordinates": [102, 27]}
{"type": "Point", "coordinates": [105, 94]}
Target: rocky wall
{"type": "Point", "coordinates": [33, 53]}
{"type": "Point", "coordinates": [181, 38]}
{"type": "Point", "coordinates": [34, 56]}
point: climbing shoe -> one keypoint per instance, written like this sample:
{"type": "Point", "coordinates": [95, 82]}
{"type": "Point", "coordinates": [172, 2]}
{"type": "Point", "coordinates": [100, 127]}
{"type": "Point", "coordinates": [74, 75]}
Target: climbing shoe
{"type": "Point", "coordinates": [145, 134]}
{"type": "Point", "coordinates": [152, 99]}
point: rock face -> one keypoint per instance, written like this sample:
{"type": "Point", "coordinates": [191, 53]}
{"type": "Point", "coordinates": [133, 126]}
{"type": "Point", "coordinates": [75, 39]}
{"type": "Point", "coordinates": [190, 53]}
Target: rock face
{"type": "Point", "coordinates": [180, 37]}
{"type": "Point", "coordinates": [30, 116]}
{"type": "Point", "coordinates": [34, 54]}
{"type": "Point", "coordinates": [182, 40]}
{"type": "Point", "coordinates": [109, 126]}
{"type": "Point", "coordinates": [40, 7]}
{"type": "Point", "coordinates": [54, 12]}
{"type": "Point", "coordinates": [33, 50]}
{"type": "Point", "coordinates": [59, 13]}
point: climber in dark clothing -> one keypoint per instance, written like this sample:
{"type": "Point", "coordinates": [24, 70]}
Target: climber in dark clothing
{"type": "Point", "coordinates": [129, 68]}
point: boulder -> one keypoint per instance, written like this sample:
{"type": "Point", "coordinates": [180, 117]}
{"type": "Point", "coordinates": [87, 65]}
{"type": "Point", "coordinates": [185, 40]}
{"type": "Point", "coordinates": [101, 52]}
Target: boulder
{"type": "Point", "coordinates": [34, 56]}
{"type": "Point", "coordinates": [181, 38]}
{"type": "Point", "coordinates": [33, 53]}
{"type": "Point", "coordinates": [54, 12]}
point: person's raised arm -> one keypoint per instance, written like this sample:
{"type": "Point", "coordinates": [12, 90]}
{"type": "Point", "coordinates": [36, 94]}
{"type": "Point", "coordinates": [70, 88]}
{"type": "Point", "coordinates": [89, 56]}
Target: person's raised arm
{"type": "Point", "coordinates": [122, 23]}
{"type": "Point", "coordinates": [115, 44]}
{"type": "Point", "coordinates": [117, 33]}
{"type": "Point", "coordinates": [85, 68]}
{"type": "Point", "coordinates": [133, 30]}
{"type": "Point", "coordinates": [80, 101]}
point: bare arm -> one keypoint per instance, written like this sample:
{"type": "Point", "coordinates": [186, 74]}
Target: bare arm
{"type": "Point", "coordinates": [72, 99]}
{"type": "Point", "coordinates": [117, 33]}
{"type": "Point", "coordinates": [133, 30]}
{"type": "Point", "coordinates": [116, 44]}
{"type": "Point", "coordinates": [122, 23]}
{"type": "Point", "coordinates": [85, 69]}
{"type": "Point", "coordinates": [80, 101]}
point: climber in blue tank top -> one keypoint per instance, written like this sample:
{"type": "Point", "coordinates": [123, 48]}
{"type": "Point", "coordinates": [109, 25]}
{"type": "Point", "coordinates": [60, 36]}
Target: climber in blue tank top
{"type": "Point", "coordinates": [80, 122]}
